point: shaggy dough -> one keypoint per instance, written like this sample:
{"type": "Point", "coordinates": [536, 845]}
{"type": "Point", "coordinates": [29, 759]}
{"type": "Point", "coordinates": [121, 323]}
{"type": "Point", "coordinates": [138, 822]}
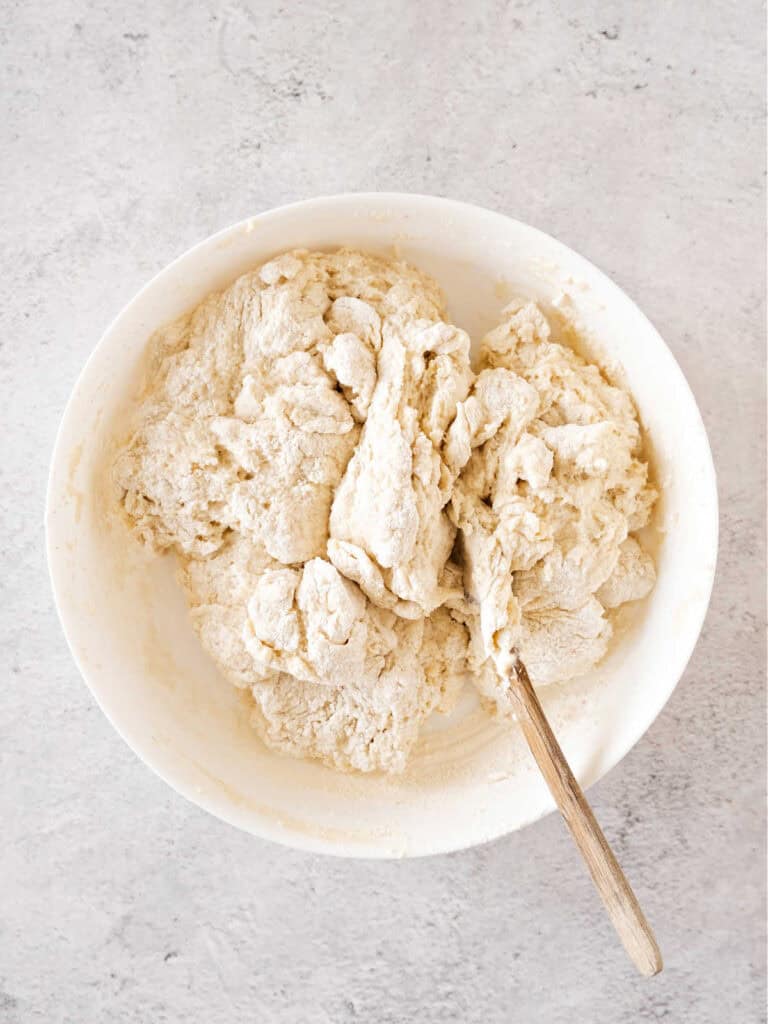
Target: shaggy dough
{"type": "Point", "coordinates": [310, 441]}
{"type": "Point", "coordinates": [289, 448]}
{"type": "Point", "coordinates": [545, 503]}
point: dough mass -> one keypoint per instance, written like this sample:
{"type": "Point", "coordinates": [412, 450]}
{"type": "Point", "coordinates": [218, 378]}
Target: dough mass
{"type": "Point", "coordinates": [360, 518]}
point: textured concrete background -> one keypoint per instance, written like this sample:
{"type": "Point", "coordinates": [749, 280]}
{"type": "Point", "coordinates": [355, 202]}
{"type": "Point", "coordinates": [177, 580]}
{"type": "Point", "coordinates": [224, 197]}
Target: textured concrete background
{"type": "Point", "coordinates": [633, 132]}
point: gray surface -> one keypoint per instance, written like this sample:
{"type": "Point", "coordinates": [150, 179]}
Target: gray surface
{"type": "Point", "coordinates": [633, 132]}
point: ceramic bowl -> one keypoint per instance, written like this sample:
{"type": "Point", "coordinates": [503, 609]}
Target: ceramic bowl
{"type": "Point", "coordinates": [471, 778]}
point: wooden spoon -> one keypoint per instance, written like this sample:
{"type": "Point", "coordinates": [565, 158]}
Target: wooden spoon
{"type": "Point", "coordinates": [615, 891]}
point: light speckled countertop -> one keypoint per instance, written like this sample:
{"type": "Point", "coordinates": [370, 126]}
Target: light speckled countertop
{"type": "Point", "coordinates": [633, 132]}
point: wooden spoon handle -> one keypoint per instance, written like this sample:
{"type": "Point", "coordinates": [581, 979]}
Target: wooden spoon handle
{"type": "Point", "coordinates": [610, 881]}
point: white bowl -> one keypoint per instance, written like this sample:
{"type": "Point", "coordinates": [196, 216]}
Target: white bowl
{"type": "Point", "coordinates": [471, 780]}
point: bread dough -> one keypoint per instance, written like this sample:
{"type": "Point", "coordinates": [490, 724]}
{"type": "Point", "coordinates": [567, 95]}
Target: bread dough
{"type": "Point", "coordinates": [545, 503]}
{"type": "Point", "coordinates": [289, 448]}
{"type": "Point", "coordinates": [310, 440]}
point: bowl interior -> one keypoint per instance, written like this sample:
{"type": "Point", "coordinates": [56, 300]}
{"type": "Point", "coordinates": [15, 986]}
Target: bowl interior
{"type": "Point", "coordinates": [470, 780]}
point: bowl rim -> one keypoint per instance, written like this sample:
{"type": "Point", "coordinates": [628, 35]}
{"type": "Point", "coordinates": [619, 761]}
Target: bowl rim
{"type": "Point", "coordinates": [253, 822]}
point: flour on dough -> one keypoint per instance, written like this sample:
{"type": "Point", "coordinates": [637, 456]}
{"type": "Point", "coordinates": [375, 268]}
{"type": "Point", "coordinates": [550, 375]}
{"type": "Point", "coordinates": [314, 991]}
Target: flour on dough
{"type": "Point", "coordinates": [288, 447]}
{"type": "Point", "coordinates": [314, 446]}
{"type": "Point", "coordinates": [546, 502]}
